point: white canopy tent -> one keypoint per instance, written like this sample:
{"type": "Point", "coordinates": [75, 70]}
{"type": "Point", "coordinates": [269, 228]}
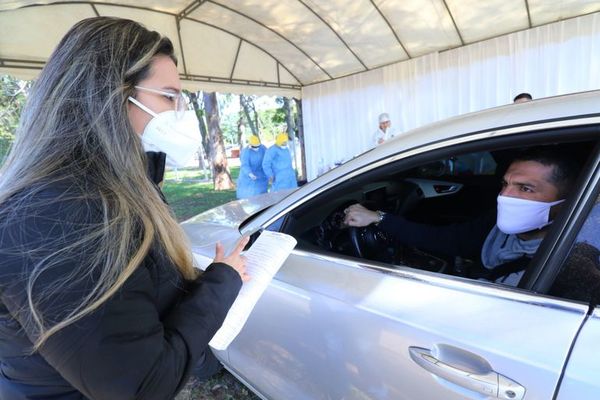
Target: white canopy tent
{"type": "Point", "coordinates": [279, 46]}
{"type": "Point", "coordinates": [419, 60]}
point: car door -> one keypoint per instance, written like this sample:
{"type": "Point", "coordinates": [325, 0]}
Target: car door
{"type": "Point", "coordinates": [578, 279]}
{"type": "Point", "coordinates": [335, 327]}
{"type": "Point", "coordinates": [329, 328]}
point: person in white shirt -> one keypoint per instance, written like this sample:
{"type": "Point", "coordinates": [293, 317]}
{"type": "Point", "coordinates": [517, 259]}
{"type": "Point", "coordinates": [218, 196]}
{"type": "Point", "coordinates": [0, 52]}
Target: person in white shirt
{"type": "Point", "coordinates": [385, 131]}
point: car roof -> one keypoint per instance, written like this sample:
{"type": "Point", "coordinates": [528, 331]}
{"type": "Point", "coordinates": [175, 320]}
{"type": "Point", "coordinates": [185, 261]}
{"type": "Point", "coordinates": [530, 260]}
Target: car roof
{"type": "Point", "coordinates": [545, 109]}
{"type": "Point", "coordinates": [541, 111]}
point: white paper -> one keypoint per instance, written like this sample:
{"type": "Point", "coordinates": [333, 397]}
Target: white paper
{"type": "Point", "coordinates": [263, 260]}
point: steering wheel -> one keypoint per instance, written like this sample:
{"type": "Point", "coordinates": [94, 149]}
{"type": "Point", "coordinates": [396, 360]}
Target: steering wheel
{"type": "Point", "coordinates": [372, 243]}
{"type": "Point", "coordinates": [369, 241]}
{"type": "Point", "coordinates": [333, 234]}
{"type": "Point", "coordinates": [354, 233]}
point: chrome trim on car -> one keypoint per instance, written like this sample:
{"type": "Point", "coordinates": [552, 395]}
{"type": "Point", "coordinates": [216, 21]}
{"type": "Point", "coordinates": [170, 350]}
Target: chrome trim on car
{"type": "Point", "coordinates": [425, 148]}
{"type": "Point", "coordinates": [483, 288]}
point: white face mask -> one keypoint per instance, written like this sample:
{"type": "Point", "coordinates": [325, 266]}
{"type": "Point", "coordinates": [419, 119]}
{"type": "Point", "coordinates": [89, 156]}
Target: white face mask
{"type": "Point", "coordinates": [178, 137]}
{"type": "Point", "coordinates": [520, 215]}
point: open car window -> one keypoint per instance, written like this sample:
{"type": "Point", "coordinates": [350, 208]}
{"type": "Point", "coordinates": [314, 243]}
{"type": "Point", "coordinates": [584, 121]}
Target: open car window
{"type": "Point", "coordinates": [455, 189]}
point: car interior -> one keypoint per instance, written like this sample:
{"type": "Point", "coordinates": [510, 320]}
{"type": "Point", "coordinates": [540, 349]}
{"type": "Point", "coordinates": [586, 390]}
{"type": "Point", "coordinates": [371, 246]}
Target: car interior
{"type": "Point", "coordinates": [451, 189]}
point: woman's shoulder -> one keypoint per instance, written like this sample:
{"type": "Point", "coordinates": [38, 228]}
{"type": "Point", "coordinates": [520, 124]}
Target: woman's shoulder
{"type": "Point", "coordinates": [59, 200]}
{"type": "Point", "coordinates": [48, 217]}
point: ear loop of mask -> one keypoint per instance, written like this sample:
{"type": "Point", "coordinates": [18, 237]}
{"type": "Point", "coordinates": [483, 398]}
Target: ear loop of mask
{"type": "Point", "coordinates": [143, 107]}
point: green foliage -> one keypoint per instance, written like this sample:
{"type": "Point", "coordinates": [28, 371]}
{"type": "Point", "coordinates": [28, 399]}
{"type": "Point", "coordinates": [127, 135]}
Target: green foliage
{"type": "Point", "coordinates": [269, 127]}
{"type": "Point", "coordinates": [271, 121]}
{"type": "Point", "coordinates": [229, 123]}
{"type": "Point", "coordinates": [13, 94]}
{"type": "Point", "coordinates": [279, 116]}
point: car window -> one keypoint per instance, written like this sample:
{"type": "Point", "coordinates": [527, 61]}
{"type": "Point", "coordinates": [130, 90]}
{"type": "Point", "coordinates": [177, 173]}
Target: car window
{"type": "Point", "coordinates": [451, 190]}
{"type": "Point", "coordinates": [442, 213]}
{"type": "Point", "coordinates": [579, 277]}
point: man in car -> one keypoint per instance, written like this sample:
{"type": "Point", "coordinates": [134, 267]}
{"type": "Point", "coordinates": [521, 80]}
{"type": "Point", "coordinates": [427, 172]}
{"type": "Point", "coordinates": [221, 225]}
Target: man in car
{"type": "Point", "coordinates": [533, 188]}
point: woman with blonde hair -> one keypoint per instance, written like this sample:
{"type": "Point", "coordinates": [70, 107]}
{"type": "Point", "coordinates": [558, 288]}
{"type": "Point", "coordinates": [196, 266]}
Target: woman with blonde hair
{"type": "Point", "coordinates": [99, 297]}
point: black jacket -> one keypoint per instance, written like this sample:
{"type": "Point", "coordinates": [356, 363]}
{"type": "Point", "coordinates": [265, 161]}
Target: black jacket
{"type": "Point", "coordinates": [461, 239]}
{"type": "Point", "coordinates": [140, 344]}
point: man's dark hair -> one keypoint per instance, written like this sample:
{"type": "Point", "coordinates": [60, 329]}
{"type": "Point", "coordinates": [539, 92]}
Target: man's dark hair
{"type": "Point", "coordinates": [522, 96]}
{"type": "Point", "coordinates": [566, 166]}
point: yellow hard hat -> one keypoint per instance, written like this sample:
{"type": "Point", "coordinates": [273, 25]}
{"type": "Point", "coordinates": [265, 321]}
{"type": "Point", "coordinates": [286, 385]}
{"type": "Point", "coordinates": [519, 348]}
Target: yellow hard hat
{"type": "Point", "coordinates": [281, 139]}
{"type": "Point", "coordinates": [254, 140]}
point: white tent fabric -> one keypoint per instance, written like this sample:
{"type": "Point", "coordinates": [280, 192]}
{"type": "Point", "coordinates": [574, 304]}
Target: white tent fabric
{"type": "Point", "coordinates": [554, 59]}
{"type": "Point", "coordinates": [279, 46]}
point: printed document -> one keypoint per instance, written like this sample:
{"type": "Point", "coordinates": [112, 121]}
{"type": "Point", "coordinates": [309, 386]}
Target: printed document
{"type": "Point", "coordinates": [263, 260]}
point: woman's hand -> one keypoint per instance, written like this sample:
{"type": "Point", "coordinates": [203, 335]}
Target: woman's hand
{"type": "Point", "coordinates": [357, 215]}
{"type": "Point", "coordinates": [234, 259]}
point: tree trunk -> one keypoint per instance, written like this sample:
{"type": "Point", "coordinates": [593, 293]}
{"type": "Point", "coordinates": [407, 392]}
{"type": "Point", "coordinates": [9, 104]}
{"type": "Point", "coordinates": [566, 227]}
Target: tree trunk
{"type": "Point", "coordinates": [196, 101]}
{"type": "Point", "coordinates": [221, 176]}
{"type": "Point", "coordinates": [240, 132]}
{"type": "Point", "coordinates": [289, 122]}
{"type": "Point", "coordinates": [248, 106]}
{"type": "Point", "coordinates": [300, 130]}
{"type": "Point", "coordinates": [256, 120]}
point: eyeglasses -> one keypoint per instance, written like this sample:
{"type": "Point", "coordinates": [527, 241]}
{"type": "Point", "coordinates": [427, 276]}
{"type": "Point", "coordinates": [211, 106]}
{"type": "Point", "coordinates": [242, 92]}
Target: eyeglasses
{"type": "Point", "coordinates": [181, 102]}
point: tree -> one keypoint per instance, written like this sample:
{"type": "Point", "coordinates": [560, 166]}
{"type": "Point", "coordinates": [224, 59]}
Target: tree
{"type": "Point", "coordinates": [247, 105]}
{"type": "Point", "coordinates": [221, 176]}
{"type": "Point", "coordinates": [198, 103]}
{"type": "Point", "coordinates": [13, 95]}
{"type": "Point", "coordinates": [289, 119]}
{"type": "Point", "coordinates": [240, 131]}
{"type": "Point", "coordinates": [289, 114]}
{"type": "Point", "coordinates": [229, 125]}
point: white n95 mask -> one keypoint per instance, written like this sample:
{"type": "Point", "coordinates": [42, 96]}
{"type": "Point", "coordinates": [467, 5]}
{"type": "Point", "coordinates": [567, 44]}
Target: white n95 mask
{"type": "Point", "coordinates": [517, 215]}
{"type": "Point", "coordinates": [178, 137]}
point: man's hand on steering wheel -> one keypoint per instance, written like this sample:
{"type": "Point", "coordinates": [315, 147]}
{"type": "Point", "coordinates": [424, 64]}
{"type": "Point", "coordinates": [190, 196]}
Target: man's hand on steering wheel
{"type": "Point", "coordinates": [359, 216]}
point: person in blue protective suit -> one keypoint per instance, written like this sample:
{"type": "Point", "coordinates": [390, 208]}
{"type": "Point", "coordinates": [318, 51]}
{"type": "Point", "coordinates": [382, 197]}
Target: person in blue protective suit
{"type": "Point", "coordinates": [252, 180]}
{"type": "Point", "coordinates": [277, 165]}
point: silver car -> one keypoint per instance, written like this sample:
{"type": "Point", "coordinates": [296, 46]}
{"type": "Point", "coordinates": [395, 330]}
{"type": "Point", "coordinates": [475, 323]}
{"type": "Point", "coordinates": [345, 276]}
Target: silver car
{"type": "Point", "coordinates": [354, 315]}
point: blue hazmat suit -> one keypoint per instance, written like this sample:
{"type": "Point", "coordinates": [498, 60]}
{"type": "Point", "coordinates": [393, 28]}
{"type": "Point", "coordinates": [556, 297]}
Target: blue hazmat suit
{"type": "Point", "coordinates": [251, 163]}
{"type": "Point", "coordinates": [277, 165]}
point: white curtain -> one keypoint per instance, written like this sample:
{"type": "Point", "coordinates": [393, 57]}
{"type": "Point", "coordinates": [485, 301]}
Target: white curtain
{"type": "Point", "coordinates": [340, 116]}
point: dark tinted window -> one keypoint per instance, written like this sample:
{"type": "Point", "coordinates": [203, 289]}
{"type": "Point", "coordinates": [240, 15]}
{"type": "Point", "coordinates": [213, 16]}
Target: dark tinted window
{"type": "Point", "coordinates": [579, 278]}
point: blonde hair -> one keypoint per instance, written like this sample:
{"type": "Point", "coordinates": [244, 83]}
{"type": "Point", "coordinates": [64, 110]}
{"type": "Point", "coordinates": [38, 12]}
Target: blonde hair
{"type": "Point", "coordinates": [75, 128]}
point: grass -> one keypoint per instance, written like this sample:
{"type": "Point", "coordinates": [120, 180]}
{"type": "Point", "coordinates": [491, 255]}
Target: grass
{"type": "Point", "coordinates": [189, 192]}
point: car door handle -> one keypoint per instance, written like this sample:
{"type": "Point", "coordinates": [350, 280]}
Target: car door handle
{"type": "Point", "coordinates": [444, 189]}
{"type": "Point", "coordinates": [490, 384]}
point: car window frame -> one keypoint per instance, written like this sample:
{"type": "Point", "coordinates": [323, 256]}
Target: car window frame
{"type": "Point", "coordinates": [552, 253]}
{"type": "Point", "coordinates": [525, 129]}
{"type": "Point", "coordinates": [586, 132]}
